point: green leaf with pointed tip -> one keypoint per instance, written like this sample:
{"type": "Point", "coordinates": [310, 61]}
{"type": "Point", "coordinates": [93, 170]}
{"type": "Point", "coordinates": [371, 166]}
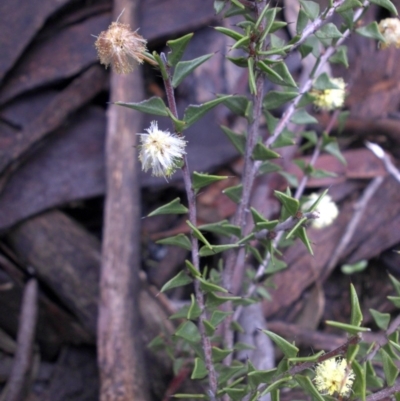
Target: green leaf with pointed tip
{"type": "Point", "coordinates": [236, 104]}
{"type": "Point", "coordinates": [221, 228]}
{"type": "Point", "coordinates": [179, 240]}
{"type": "Point", "coordinates": [271, 74]}
{"type": "Point", "coordinates": [180, 280]}
{"type": "Point", "coordinates": [197, 233]}
{"type": "Point", "coordinates": [347, 327]}
{"type": "Point", "coordinates": [189, 332]}
{"type": "Point", "coordinates": [269, 16]}
{"type": "Point", "coordinates": [194, 310]}
{"type": "Point", "coordinates": [192, 269]}
{"type": "Point", "coordinates": [251, 78]}
{"type": "Point", "coordinates": [154, 105]}
{"type": "Point", "coordinates": [178, 47]}
{"type": "Point", "coordinates": [356, 314]}
{"type": "Point", "coordinates": [288, 349]}
{"type": "Point", "coordinates": [328, 31]}
{"type": "Point", "coordinates": [331, 146]}
{"type": "Point", "coordinates": [395, 301]}
{"type": "Point", "coordinates": [395, 283]}
{"type": "Point", "coordinates": [205, 251]}
{"type": "Point", "coordinates": [206, 286]}
{"type": "Point", "coordinates": [324, 82]}
{"type": "Point", "coordinates": [197, 396]}
{"type": "Point", "coordinates": [218, 6]}
{"type": "Point", "coordinates": [184, 68]}
{"type": "Point", "coordinates": [302, 21]}
{"type": "Point", "coordinates": [278, 384]}
{"type": "Point", "coordinates": [340, 56]}
{"type": "Point", "coordinates": [291, 204]}
{"type": "Point", "coordinates": [371, 31]}
{"type": "Point", "coordinates": [382, 320]}
{"type": "Point", "coordinates": [274, 99]}
{"type": "Point", "coordinates": [280, 70]}
{"type": "Point", "coordinates": [302, 234]}
{"type": "Point", "coordinates": [173, 207]}
{"type": "Point", "coordinates": [199, 371]}
{"type": "Point", "coordinates": [218, 317]}
{"type": "Point", "coordinates": [296, 227]}
{"type": "Point", "coordinates": [195, 112]}
{"type": "Point", "coordinates": [311, 8]}
{"type": "Point", "coordinates": [261, 152]}
{"type": "Point", "coordinates": [307, 385]}
{"type": "Point", "coordinates": [257, 216]}
{"type": "Point", "coordinates": [213, 300]}
{"type": "Point", "coordinates": [389, 368]}
{"type": "Point", "coordinates": [359, 387]}
{"type": "Point", "coordinates": [209, 328]}
{"type": "Point", "coordinates": [258, 377]}
{"type": "Point", "coordinates": [349, 5]}
{"type": "Point", "coordinates": [234, 193]}
{"type": "Point", "coordinates": [301, 359]}
{"type": "Point", "coordinates": [302, 117]}
{"type": "Point", "coordinates": [238, 141]}
{"type": "Point", "coordinates": [229, 32]}
{"type": "Point", "coordinates": [386, 4]}
{"type": "Point", "coordinates": [201, 180]}
{"type": "Point", "coordinates": [219, 354]}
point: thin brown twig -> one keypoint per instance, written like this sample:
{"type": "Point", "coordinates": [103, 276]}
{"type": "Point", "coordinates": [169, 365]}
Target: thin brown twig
{"type": "Point", "coordinates": [17, 385]}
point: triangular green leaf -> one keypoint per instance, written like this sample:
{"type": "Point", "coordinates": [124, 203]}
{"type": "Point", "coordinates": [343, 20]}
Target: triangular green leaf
{"type": "Point", "coordinates": [291, 204]}
{"type": "Point", "coordinates": [382, 320]}
{"type": "Point", "coordinates": [288, 349]}
{"type": "Point", "coordinates": [179, 280]}
{"type": "Point", "coordinates": [386, 4]}
{"type": "Point", "coordinates": [274, 99]}
{"type": "Point", "coordinates": [238, 141]}
{"type": "Point", "coordinates": [206, 251]}
{"type": "Point", "coordinates": [356, 314]}
{"type": "Point", "coordinates": [311, 8]}
{"type": "Point", "coordinates": [328, 31]}
{"type": "Point", "coordinates": [261, 152]}
{"type": "Point", "coordinates": [371, 31]}
{"type": "Point", "coordinates": [307, 385]}
{"type": "Point", "coordinates": [173, 207]}
{"type": "Point", "coordinates": [389, 368]}
{"type": "Point", "coordinates": [179, 240]}
{"type": "Point", "coordinates": [154, 105]}
{"type": "Point", "coordinates": [221, 228]}
{"type": "Point", "coordinates": [229, 32]}
{"type": "Point", "coordinates": [184, 68]}
{"type": "Point", "coordinates": [178, 47]}
{"type": "Point", "coordinates": [201, 180]}
{"type": "Point", "coordinates": [198, 234]}
{"type": "Point", "coordinates": [189, 331]}
{"type": "Point", "coordinates": [302, 117]}
{"type": "Point", "coordinates": [234, 193]}
{"type": "Point", "coordinates": [199, 371]}
{"type": "Point", "coordinates": [195, 112]}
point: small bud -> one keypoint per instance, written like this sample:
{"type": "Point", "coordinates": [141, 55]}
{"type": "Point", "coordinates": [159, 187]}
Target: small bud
{"type": "Point", "coordinates": [390, 30]}
{"type": "Point", "coordinates": [161, 151]}
{"type": "Point", "coordinates": [121, 48]}
{"type": "Point", "coordinates": [334, 376]}
{"type": "Point", "coordinates": [327, 209]}
{"type": "Point", "coordinates": [330, 99]}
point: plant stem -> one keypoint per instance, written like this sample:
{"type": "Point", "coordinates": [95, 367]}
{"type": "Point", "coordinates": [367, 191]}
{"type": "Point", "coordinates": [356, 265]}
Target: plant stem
{"type": "Point", "coordinates": [191, 198]}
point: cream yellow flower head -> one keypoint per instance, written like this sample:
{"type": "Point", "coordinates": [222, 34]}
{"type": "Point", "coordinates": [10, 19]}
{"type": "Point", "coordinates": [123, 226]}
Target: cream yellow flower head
{"type": "Point", "coordinates": [120, 47]}
{"type": "Point", "coordinates": [330, 99]}
{"type": "Point", "coordinates": [390, 30]}
{"type": "Point", "coordinates": [334, 376]}
{"type": "Point", "coordinates": [160, 151]}
{"type": "Point", "coordinates": [327, 209]}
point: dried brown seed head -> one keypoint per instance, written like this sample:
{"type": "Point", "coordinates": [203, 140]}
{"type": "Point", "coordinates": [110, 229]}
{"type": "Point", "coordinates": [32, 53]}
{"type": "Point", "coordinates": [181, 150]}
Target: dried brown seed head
{"type": "Point", "coordinates": [121, 48]}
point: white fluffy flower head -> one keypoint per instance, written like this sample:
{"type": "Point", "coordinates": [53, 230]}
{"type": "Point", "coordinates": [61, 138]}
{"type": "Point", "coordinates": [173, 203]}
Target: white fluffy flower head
{"type": "Point", "coordinates": [334, 376]}
{"type": "Point", "coordinates": [160, 151]}
{"type": "Point", "coordinates": [331, 99]}
{"type": "Point", "coordinates": [327, 209]}
{"type": "Point", "coordinates": [390, 30]}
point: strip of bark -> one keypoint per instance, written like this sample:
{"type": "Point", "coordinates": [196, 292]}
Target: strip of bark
{"type": "Point", "coordinates": [18, 384]}
{"type": "Point", "coordinates": [119, 350]}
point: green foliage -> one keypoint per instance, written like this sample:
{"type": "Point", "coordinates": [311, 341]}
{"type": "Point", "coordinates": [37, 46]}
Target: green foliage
{"type": "Point", "coordinates": [154, 106]}
{"type": "Point", "coordinates": [173, 207]}
{"type": "Point", "coordinates": [178, 47]}
{"type": "Point", "coordinates": [184, 68]}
